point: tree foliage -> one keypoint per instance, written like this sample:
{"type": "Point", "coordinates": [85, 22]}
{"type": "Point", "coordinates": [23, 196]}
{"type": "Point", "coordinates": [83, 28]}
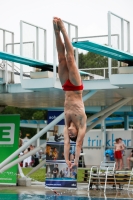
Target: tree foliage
{"type": "Point", "coordinates": [91, 60]}
{"type": "Point", "coordinates": [27, 114]}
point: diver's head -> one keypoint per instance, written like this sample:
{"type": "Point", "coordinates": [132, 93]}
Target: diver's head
{"type": "Point", "coordinates": [72, 132]}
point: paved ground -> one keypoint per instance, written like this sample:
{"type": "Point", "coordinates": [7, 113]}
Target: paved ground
{"type": "Point", "coordinates": [81, 191]}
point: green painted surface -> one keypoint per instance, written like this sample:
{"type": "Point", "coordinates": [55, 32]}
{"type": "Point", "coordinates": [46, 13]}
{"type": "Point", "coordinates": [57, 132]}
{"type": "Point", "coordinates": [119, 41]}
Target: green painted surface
{"type": "Point", "coordinates": [9, 141]}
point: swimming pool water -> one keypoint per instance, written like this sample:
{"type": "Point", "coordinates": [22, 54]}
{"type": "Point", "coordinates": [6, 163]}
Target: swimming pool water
{"type": "Point", "coordinates": [48, 197]}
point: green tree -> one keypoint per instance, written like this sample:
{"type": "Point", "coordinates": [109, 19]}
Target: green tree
{"type": "Point", "coordinates": [92, 60]}
{"type": "Point", "coordinates": [39, 115]}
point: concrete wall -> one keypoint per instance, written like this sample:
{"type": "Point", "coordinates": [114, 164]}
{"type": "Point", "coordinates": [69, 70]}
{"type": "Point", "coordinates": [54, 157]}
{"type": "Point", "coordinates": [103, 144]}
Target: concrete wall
{"type": "Point", "coordinates": [93, 141]}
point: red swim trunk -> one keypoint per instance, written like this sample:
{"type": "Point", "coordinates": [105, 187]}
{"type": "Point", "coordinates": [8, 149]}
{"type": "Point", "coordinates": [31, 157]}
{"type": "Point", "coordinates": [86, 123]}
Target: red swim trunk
{"type": "Point", "coordinates": [118, 155]}
{"type": "Point", "coordinates": [68, 86]}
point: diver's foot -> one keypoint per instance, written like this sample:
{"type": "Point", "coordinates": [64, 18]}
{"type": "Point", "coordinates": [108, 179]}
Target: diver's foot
{"type": "Point", "coordinates": [61, 26]}
{"type": "Point", "coordinates": [55, 25]}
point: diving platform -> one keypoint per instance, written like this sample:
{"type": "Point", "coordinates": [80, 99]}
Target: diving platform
{"type": "Point", "coordinates": [44, 66]}
{"type": "Point", "coordinates": [105, 51]}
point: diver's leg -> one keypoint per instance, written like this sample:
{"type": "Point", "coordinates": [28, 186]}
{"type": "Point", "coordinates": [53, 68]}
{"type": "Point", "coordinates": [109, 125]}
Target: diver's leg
{"type": "Point", "coordinates": [74, 75]}
{"type": "Point", "coordinates": [62, 68]}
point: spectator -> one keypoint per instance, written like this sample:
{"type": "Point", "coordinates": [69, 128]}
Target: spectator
{"type": "Point", "coordinates": [118, 155]}
{"type": "Point", "coordinates": [36, 157]}
{"type": "Point", "coordinates": [130, 159]}
{"type": "Point", "coordinates": [48, 153]}
{"type": "Point", "coordinates": [74, 174]}
{"type": "Point", "coordinates": [55, 171]}
{"type": "Point", "coordinates": [66, 172]}
{"type": "Point", "coordinates": [55, 154]}
{"type": "Point", "coordinates": [27, 161]}
{"type": "Point", "coordinates": [26, 139]}
{"type": "Point", "coordinates": [61, 174]}
{"type": "Point", "coordinates": [57, 137]}
{"type": "Point", "coordinates": [123, 151]}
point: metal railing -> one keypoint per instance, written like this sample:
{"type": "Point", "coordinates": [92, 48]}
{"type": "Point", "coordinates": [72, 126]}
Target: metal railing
{"type": "Point", "coordinates": [15, 68]}
{"type": "Point", "coordinates": [101, 72]}
{"type": "Point", "coordinates": [37, 43]}
{"type": "Point", "coordinates": [110, 14]}
{"type": "Point", "coordinates": [105, 71]}
{"type": "Point", "coordinates": [4, 49]}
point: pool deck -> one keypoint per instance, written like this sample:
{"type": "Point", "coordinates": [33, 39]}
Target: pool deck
{"type": "Point", "coordinates": [81, 191]}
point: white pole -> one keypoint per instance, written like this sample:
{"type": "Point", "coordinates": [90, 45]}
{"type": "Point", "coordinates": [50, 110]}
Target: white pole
{"type": "Point", "coordinates": [103, 132]}
{"type": "Point", "coordinates": [107, 114]}
{"type": "Point", "coordinates": [37, 167]}
{"type": "Point", "coordinates": [102, 112]}
{"type": "Point", "coordinates": [21, 49]}
{"type": "Point", "coordinates": [32, 152]}
{"type": "Point", "coordinates": [38, 140]}
{"type": "Point", "coordinates": [109, 42]}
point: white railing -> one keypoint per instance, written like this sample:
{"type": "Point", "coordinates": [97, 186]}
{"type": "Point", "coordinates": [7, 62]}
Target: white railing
{"type": "Point", "coordinates": [122, 32]}
{"type": "Point", "coordinates": [104, 69]}
{"type": "Point", "coordinates": [100, 36]}
{"type": "Point", "coordinates": [37, 43]}
{"type": "Point", "coordinates": [3, 64]}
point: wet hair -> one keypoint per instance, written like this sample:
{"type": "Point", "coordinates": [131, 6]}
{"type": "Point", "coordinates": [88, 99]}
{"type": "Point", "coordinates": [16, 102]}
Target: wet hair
{"type": "Point", "coordinates": [73, 138]}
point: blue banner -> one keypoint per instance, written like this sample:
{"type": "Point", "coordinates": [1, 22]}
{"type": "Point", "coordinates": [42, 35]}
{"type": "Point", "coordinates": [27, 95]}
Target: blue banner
{"type": "Point", "coordinates": [57, 172]}
{"type": "Point", "coordinates": [52, 115]}
{"type": "Point", "coordinates": [59, 175]}
{"type": "Point", "coordinates": [64, 184]}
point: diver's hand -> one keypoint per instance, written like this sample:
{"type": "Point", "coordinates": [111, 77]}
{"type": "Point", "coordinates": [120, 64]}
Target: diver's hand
{"type": "Point", "coordinates": [73, 164]}
{"type": "Point", "coordinates": [68, 163]}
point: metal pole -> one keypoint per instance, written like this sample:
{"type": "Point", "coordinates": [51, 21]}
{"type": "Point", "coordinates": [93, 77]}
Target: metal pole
{"type": "Point", "coordinates": [77, 55]}
{"type": "Point", "coordinates": [122, 34]}
{"type": "Point", "coordinates": [128, 36]}
{"type": "Point", "coordinates": [38, 140]}
{"type": "Point", "coordinates": [109, 42]}
{"type": "Point", "coordinates": [42, 163]}
{"type": "Point", "coordinates": [4, 62]}
{"type": "Point", "coordinates": [69, 31]}
{"type": "Point", "coordinates": [32, 152]}
{"type": "Point", "coordinates": [107, 114]}
{"type": "Point", "coordinates": [12, 62]}
{"type": "Point", "coordinates": [126, 121]}
{"type": "Point", "coordinates": [88, 95]}
{"type": "Point", "coordinates": [21, 49]}
{"type": "Point", "coordinates": [37, 43]}
{"type": "Point", "coordinates": [102, 112]}
{"type": "Point", "coordinates": [103, 132]}
{"type": "Point", "coordinates": [45, 45]}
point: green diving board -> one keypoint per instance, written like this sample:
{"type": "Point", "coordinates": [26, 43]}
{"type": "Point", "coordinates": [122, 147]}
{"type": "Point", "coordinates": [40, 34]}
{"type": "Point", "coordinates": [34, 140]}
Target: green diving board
{"type": "Point", "coordinates": [31, 62]}
{"type": "Point", "coordinates": [23, 60]}
{"type": "Point", "coordinates": [105, 51]}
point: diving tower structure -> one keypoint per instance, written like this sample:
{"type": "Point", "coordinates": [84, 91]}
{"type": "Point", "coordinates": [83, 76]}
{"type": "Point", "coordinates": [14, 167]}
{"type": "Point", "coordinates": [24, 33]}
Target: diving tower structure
{"type": "Point", "coordinates": [43, 89]}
